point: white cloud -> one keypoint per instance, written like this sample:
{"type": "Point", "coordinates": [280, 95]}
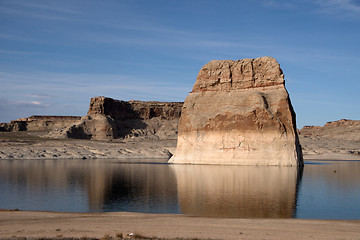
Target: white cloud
{"type": "Point", "coordinates": [11, 110]}
{"type": "Point", "coordinates": [36, 103]}
{"type": "Point", "coordinates": [19, 53]}
{"type": "Point", "coordinates": [341, 8]}
{"type": "Point", "coordinates": [12, 104]}
{"type": "Point", "coordinates": [336, 6]}
{"type": "Point", "coordinates": [79, 84]}
{"type": "Point", "coordinates": [279, 4]}
{"type": "Point", "coordinates": [40, 95]}
{"type": "Point", "coordinates": [48, 93]}
{"type": "Point", "coordinates": [19, 37]}
{"type": "Point", "coordinates": [46, 7]}
{"type": "Point", "coordinates": [25, 12]}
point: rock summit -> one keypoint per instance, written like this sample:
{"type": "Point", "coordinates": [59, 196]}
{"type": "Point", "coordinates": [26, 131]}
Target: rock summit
{"type": "Point", "coordinates": [238, 113]}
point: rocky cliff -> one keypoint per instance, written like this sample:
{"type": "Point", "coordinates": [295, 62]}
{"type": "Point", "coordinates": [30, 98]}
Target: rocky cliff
{"type": "Point", "coordinates": [108, 118]}
{"type": "Point", "coordinates": [335, 140]}
{"type": "Point", "coordinates": [124, 110]}
{"type": "Point", "coordinates": [239, 113]}
{"type": "Point", "coordinates": [343, 129]}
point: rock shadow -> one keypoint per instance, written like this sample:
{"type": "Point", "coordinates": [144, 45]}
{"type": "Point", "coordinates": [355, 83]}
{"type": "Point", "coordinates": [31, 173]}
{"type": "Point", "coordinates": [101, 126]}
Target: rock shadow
{"type": "Point", "coordinates": [126, 119]}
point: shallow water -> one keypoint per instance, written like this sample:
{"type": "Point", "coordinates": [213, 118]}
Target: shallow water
{"type": "Point", "coordinates": [323, 190]}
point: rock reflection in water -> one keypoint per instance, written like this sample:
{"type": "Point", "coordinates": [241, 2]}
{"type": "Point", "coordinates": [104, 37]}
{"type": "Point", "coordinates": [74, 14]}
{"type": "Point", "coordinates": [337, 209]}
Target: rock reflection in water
{"type": "Point", "coordinates": [148, 188]}
{"type": "Point", "coordinates": [101, 186]}
{"type": "Point", "coordinates": [87, 186]}
{"type": "Point", "coordinates": [237, 191]}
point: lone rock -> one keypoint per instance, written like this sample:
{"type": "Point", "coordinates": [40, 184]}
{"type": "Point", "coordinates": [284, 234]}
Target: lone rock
{"type": "Point", "coordinates": [238, 113]}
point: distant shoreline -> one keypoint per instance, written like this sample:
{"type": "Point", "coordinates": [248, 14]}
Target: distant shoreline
{"type": "Point", "coordinates": [26, 146]}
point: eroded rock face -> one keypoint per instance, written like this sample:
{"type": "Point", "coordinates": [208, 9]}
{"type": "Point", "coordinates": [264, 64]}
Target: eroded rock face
{"type": "Point", "coordinates": [108, 118]}
{"type": "Point", "coordinates": [238, 113]}
{"type": "Point", "coordinates": [13, 126]}
{"type": "Point", "coordinates": [124, 110]}
{"type": "Point", "coordinates": [99, 127]}
{"type": "Point", "coordinates": [222, 75]}
{"type": "Point", "coordinates": [344, 129]}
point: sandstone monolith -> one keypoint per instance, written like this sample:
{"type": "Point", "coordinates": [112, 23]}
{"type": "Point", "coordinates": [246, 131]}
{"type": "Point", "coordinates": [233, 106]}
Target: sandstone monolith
{"type": "Point", "coordinates": [238, 113]}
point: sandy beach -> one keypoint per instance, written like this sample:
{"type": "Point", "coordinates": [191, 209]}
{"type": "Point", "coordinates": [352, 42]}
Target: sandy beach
{"type": "Point", "coordinates": [16, 224]}
{"type": "Point", "coordinates": [24, 145]}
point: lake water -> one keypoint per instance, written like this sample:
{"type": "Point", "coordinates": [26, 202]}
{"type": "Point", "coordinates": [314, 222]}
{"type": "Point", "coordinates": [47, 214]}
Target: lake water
{"type": "Point", "coordinates": [323, 190]}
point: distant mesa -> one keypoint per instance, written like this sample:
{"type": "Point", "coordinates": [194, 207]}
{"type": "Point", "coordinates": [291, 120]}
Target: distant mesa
{"type": "Point", "coordinates": [343, 129]}
{"type": "Point", "coordinates": [238, 113]}
{"type": "Point", "coordinates": [39, 123]}
{"type": "Point", "coordinates": [342, 123]}
{"type": "Point", "coordinates": [108, 119]}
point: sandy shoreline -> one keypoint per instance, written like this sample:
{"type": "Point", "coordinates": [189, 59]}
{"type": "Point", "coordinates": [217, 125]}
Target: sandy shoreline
{"type": "Point", "coordinates": [23, 146]}
{"type": "Point", "coordinates": [47, 224]}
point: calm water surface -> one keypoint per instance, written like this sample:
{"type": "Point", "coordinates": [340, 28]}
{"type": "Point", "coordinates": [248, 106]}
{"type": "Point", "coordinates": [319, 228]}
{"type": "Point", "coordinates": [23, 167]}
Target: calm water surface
{"type": "Point", "coordinates": [323, 190]}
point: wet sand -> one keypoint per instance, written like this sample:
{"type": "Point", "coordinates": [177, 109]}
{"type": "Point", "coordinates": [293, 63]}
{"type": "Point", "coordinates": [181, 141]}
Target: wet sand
{"type": "Point", "coordinates": [51, 225]}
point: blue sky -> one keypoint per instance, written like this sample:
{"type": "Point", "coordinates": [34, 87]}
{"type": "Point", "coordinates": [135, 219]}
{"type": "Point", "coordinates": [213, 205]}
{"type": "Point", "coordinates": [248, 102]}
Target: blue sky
{"type": "Point", "coordinates": [56, 55]}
